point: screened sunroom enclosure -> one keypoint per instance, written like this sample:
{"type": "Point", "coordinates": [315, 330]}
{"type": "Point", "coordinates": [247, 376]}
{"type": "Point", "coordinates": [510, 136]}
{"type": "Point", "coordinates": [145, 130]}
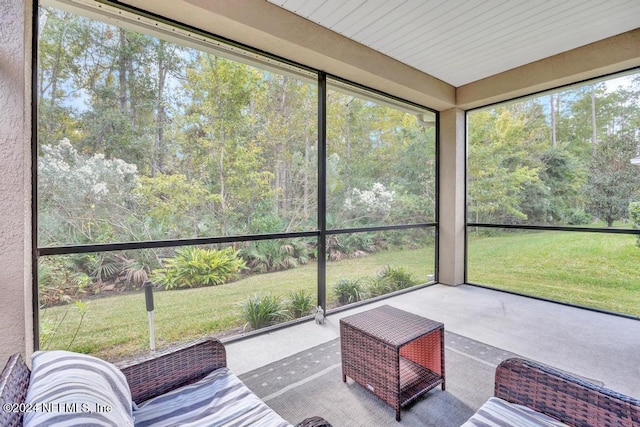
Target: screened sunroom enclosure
{"type": "Point", "coordinates": [553, 194]}
{"type": "Point", "coordinates": [248, 190]}
{"type": "Point", "coordinates": [161, 150]}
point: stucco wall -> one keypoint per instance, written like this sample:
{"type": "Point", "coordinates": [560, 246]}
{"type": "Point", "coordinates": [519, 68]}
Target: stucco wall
{"type": "Point", "coordinates": [15, 187]}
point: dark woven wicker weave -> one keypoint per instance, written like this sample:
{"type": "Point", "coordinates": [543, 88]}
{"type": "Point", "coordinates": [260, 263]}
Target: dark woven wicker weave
{"type": "Point", "coordinates": [314, 422]}
{"type": "Point", "coordinates": [147, 377]}
{"type": "Point", "coordinates": [14, 382]}
{"type": "Point", "coordinates": [573, 401]}
{"type": "Point", "coordinates": [163, 372]}
{"type": "Point", "coordinates": [399, 356]}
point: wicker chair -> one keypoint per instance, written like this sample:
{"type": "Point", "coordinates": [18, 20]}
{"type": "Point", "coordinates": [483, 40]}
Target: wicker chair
{"type": "Point", "coordinates": [573, 401]}
{"type": "Point", "coordinates": [148, 377]}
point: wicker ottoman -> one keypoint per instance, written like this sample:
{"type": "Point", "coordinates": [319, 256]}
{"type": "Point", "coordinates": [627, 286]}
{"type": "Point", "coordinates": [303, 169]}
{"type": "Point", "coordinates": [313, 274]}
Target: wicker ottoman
{"type": "Point", "coordinates": [398, 356]}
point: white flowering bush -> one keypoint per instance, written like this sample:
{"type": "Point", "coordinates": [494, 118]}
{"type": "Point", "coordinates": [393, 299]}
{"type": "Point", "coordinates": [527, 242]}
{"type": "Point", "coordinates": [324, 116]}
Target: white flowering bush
{"type": "Point", "coordinates": [375, 203]}
{"type": "Point", "coordinates": [65, 174]}
{"type": "Point", "coordinates": [81, 195]}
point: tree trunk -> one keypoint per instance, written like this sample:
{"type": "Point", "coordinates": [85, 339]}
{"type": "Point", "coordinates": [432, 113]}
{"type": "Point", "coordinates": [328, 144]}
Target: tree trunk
{"type": "Point", "coordinates": [122, 70]}
{"type": "Point", "coordinates": [305, 199]}
{"type": "Point", "coordinates": [55, 70]}
{"type": "Point", "coordinates": [594, 128]}
{"type": "Point", "coordinates": [347, 178]}
{"type": "Point", "coordinates": [276, 184]}
{"type": "Point", "coordinates": [221, 174]}
{"type": "Point", "coordinates": [158, 149]}
{"type": "Point", "coordinates": [553, 121]}
{"type": "Point", "coordinates": [280, 174]}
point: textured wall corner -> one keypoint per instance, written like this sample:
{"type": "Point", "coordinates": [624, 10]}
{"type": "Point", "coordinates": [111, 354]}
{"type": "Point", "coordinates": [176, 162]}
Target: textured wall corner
{"type": "Point", "coordinates": [15, 187]}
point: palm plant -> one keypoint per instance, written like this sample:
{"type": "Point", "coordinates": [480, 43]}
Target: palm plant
{"type": "Point", "coordinates": [138, 265]}
{"type": "Point", "coordinates": [264, 256]}
{"type": "Point", "coordinates": [352, 245]}
{"type": "Point", "coordinates": [104, 266]}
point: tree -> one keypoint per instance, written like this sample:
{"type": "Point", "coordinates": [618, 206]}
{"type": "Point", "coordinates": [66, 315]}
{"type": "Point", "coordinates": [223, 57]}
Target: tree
{"type": "Point", "coordinates": [613, 180]}
{"type": "Point", "coordinates": [284, 112]}
{"type": "Point", "coordinates": [501, 167]}
{"type": "Point", "coordinates": [374, 145]}
{"type": "Point", "coordinates": [63, 38]}
{"type": "Point", "coordinates": [215, 126]}
{"type": "Point", "coordinates": [175, 206]}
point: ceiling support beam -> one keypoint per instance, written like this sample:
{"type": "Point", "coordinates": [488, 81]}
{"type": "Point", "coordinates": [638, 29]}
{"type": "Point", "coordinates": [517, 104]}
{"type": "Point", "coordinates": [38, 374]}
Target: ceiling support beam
{"type": "Point", "coordinates": [604, 57]}
{"type": "Point", "coordinates": [267, 27]}
{"type": "Point", "coordinates": [451, 218]}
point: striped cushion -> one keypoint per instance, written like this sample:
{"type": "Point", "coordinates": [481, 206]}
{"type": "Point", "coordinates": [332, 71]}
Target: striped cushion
{"type": "Point", "coordinates": [75, 389]}
{"type": "Point", "coordinates": [219, 399]}
{"type": "Point", "coordinates": [500, 413]}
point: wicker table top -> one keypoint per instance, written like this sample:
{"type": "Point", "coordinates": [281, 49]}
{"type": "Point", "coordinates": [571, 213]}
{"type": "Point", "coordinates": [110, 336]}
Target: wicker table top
{"type": "Point", "coordinates": [391, 325]}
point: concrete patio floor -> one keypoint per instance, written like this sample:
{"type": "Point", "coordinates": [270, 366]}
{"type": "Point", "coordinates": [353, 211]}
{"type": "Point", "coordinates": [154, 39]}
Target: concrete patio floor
{"type": "Point", "coordinates": [598, 346]}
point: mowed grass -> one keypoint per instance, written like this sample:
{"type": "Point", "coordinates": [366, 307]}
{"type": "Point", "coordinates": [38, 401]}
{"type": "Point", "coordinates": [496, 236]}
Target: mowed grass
{"type": "Point", "coordinates": [588, 269]}
{"type": "Point", "coordinates": [116, 327]}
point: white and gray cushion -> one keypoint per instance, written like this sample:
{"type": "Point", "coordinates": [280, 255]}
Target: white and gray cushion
{"type": "Point", "coordinates": [219, 399]}
{"type": "Point", "coordinates": [499, 413]}
{"type": "Point", "coordinates": [75, 389]}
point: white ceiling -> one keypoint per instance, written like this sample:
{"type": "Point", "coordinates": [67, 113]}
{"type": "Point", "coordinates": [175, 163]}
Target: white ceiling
{"type": "Point", "coordinates": [461, 41]}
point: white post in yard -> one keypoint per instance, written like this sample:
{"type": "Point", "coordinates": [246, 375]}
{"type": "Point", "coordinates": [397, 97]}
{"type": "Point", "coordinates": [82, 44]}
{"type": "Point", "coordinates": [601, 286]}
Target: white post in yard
{"type": "Point", "coordinates": [148, 295]}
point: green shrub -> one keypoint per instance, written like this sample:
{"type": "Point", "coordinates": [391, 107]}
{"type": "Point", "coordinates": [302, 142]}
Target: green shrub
{"type": "Point", "coordinates": [390, 280]}
{"type": "Point", "coordinates": [634, 216]}
{"type": "Point", "coordinates": [59, 282]}
{"type": "Point", "coordinates": [195, 267]}
{"type": "Point", "coordinates": [260, 311]}
{"type": "Point", "coordinates": [103, 266]}
{"type": "Point", "coordinates": [397, 278]}
{"type": "Point", "coordinates": [577, 217]}
{"type": "Point", "coordinates": [378, 286]}
{"type": "Point", "coordinates": [265, 256]}
{"type": "Point", "coordinates": [348, 291]}
{"type": "Point", "coordinates": [300, 303]}
{"type": "Point", "coordinates": [350, 245]}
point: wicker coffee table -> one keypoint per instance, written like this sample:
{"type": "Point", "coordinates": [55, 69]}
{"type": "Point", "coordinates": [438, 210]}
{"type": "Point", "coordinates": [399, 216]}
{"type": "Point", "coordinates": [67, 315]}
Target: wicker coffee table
{"type": "Point", "coordinates": [398, 356]}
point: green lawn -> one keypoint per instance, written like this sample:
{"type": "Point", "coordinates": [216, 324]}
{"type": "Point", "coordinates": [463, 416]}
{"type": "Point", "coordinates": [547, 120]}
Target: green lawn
{"type": "Point", "coordinates": [590, 269]}
{"type": "Point", "coordinates": [117, 326]}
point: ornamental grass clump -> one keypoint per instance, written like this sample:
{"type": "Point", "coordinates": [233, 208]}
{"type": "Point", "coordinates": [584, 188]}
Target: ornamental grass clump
{"type": "Point", "coordinates": [396, 278]}
{"type": "Point", "coordinates": [260, 311]}
{"type": "Point", "coordinates": [348, 291]}
{"type": "Point", "coordinates": [300, 303]}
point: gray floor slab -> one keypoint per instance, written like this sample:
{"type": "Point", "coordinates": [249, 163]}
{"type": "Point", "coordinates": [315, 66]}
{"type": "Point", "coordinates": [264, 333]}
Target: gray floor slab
{"type": "Point", "coordinates": [594, 345]}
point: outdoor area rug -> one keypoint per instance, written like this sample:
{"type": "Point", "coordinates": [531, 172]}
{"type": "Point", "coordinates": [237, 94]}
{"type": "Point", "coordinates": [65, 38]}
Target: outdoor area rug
{"type": "Point", "coordinates": [310, 383]}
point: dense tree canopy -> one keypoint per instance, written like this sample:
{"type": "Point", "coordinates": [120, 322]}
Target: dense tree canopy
{"type": "Point", "coordinates": [561, 159]}
{"type": "Point", "coordinates": [143, 139]}
{"type": "Point", "coordinates": [220, 147]}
